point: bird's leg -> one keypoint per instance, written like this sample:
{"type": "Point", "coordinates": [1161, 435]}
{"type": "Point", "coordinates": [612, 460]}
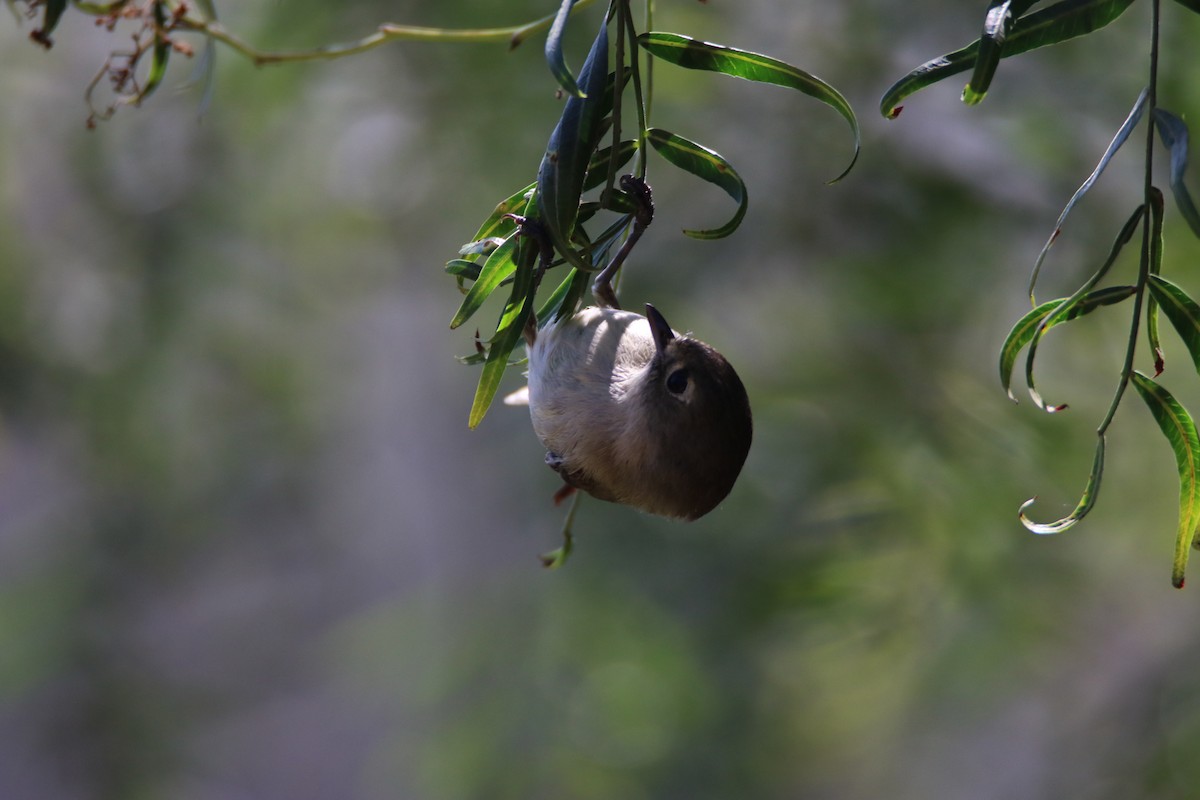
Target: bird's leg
{"type": "Point", "coordinates": [642, 217]}
{"type": "Point", "coordinates": [531, 228]}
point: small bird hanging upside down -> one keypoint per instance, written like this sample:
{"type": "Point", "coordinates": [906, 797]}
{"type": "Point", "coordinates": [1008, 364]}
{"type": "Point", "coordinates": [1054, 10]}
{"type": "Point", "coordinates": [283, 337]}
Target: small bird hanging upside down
{"type": "Point", "coordinates": [632, 412]}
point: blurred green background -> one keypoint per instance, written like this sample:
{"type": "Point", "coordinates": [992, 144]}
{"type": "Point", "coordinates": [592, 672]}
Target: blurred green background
{"type": "Point", "coordinates": [249, 549]}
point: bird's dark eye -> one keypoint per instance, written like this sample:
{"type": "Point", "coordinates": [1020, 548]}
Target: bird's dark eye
{"type": "Point", "coordinates": [677, 381]}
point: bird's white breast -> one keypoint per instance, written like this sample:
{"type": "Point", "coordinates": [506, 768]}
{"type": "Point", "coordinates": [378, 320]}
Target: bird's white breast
{"type": "Point", "coordinates": [580, 371]}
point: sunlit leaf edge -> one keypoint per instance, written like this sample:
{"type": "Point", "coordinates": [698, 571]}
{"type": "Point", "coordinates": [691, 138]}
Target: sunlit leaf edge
{"type": "Point", "coordinates": [690, 53]}
{"type": "Point", "coordinates": [1023, 331]}
{"type": "Point", "coordinates": [1122, 135]}
{"type": "Point", "coordinates": [1062, 311]}
{"type": "Point", "coordinates": [1087, 500]}
{"type": "Point", "coordinates": [1178, 427]}
{"type": "Point", "coordinates": [707, 165]}
{"type": "Point", "coordinates": [1043, 28]}
{"type": "Point", "coordinates": [1182, 311]}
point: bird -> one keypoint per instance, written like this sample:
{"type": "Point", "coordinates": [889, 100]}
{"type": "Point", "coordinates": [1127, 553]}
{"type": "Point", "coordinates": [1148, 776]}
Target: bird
{"type": "Point", "coordinates": [633, 412]}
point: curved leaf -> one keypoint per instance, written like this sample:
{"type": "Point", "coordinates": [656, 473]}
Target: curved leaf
{"type": "Point", "coordinates": [1177, 425]}
{"type": "Point", "coordinates": [565, 297]}
{"type": "Point", "coordinates": [695, 54]}
{"type": "Point", "coordinates": [508, 330]}
{"type": "Point", "coordinates": [569, 151]}
{"type": "Point", "coordinates": [1023, 332]}
{"type": "Point", "coordinates": [708, 165]}
{"type": "Point", "coordinates": [1182, 311]}
{"type": "Point", "coordinates": [996, 25]}
{"type": "Point", "coordinates": [1131, 121]}
{"type": "Point", "coordinates": [158, 56]}
{"type": "Point", "coordinates": [1191, 5]}
{"type": "Point", "coordinates": [1060, 313]}
{"type": "Point", "coordinates": [554, 51]}
{"type": "Point", "coordinates": [498, 222]}
{"type": "Point", "coordinates": [1155, 266]}
{"type": "Point", "coordinates": [1174, 134]}
{"type": "Point", "coordinates": [1090, 492]}
{"type": "Point", "coordinates": [1058, 23]}
{"type": "Point", "coordinates": [602, 160]}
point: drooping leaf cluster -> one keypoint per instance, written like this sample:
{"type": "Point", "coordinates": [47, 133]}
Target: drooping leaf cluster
{"type": "Point", "coordinates": [587, 151]}
{"type": "Point", "coordinates": [1009, 30]}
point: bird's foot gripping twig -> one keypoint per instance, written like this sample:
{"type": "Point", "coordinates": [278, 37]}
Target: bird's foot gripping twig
{"type": "Point", "coordinates": [639, 190]}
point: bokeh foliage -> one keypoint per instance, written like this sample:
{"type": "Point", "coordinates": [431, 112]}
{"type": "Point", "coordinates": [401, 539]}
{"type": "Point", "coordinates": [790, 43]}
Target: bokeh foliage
{"type": "Point", "coordinates": [248, 547]}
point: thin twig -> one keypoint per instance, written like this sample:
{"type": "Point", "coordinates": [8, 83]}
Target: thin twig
{"type": "Point", "coordinates": [1147, 188]}
{"type": "Point", "coordinates": [386, 33]}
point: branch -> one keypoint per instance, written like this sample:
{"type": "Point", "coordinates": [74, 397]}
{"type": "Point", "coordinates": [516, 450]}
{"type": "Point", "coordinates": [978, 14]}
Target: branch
{"type": "Point", "coordinates": [387, 32]}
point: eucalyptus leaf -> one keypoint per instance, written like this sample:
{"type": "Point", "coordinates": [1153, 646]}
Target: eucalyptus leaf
{"type": "Point", "coordinates": [1060, 313]}
{"type": "Point", "coordinates": [1131, 121]}
{"type": "Point", "coordinates": [498, 222]}
{"type": "Point", "coordinates": [1182, 311]}
{"type": "Point", "coordinates": [565, 297]}
{"type": "Point", "coordinates": [1000, 18]}
{"type": "Point", "coordinates": [1155, 267]}
{"type": "Point", "coordinates": [1088, 499]}
{"type": "Point", "coordinates": [708, 165]}
{"type": "Point", "coordinates": [1058, 23]}
{"type": "Point", "coordinates": [554, 51]}
{"type": "Point", "coordinates": [1174, 134]}
{"type": "Point", "coordinates": [996, 25]}
{"type": "Point", "coordinates": [1179, 428]}
{"type": "Point", "coordinates": [508, 330]}
{"type": "Point", "coordinates": [569, 152]}
{"type": "Point", "coordinates": [602, 160]}
{"type": "Point", "coordinates": [499, 265]}
{"type": "Point", "coordinates": [1023, 332]}
{"type": "Point", "coordinates": [692, 53]}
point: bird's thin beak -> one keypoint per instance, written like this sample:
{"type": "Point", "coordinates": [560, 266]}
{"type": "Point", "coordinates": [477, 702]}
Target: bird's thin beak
{"type": "Point", "coordinates": [659, 328]}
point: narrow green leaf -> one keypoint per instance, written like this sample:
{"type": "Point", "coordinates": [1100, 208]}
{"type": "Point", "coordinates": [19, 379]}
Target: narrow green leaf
{"type": "Point", "coordinates": [463, 268]}
{"type": "Point", "coordinates": [1058, 23]}
{"type": "Point", "coordinates": [695, 54]}
{"type": "Point", "coordinates": [1177, 425]}
{"type": "Point", "coordinates": [1090, 492]}
{"type": "Point", "coordinates": [1182, 311]}
{"type": "Point", "coordinates": [508, 331]}
{"type": "Point", "coordinates": [1060, 313]}
{"type": "Point", "coordinates": [708, 165]}
{"type": "Point", "coordinates": [498, 223]}
{"type": "Point", "coordinates": [565, 297]}
{"type": "Point", "coordinates": [996, 25]}
{"type": "Point", "coordinates": [158, 57]}
{"type": "Point", "coordinates": [554, 51]}
{"type": "Point", "coordinates": [1023, 332]}
{"type": "Point", "coordinates": [1174, 134]}
{"type": "Point", "coordinates": [54, 11]}
{"type": "Point", "coordinates": [499, 265]}
{"type": "Point", "coordinates": [602, 160]}
{"type": "Point", "coordinates": [1156, 254]}
{"type": "Point", "coordinates": [1131, 121]}
{"type": "Point", "coordinates": [1000, 18]}
{"type": "Point", "coordinates": [569, 151]}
